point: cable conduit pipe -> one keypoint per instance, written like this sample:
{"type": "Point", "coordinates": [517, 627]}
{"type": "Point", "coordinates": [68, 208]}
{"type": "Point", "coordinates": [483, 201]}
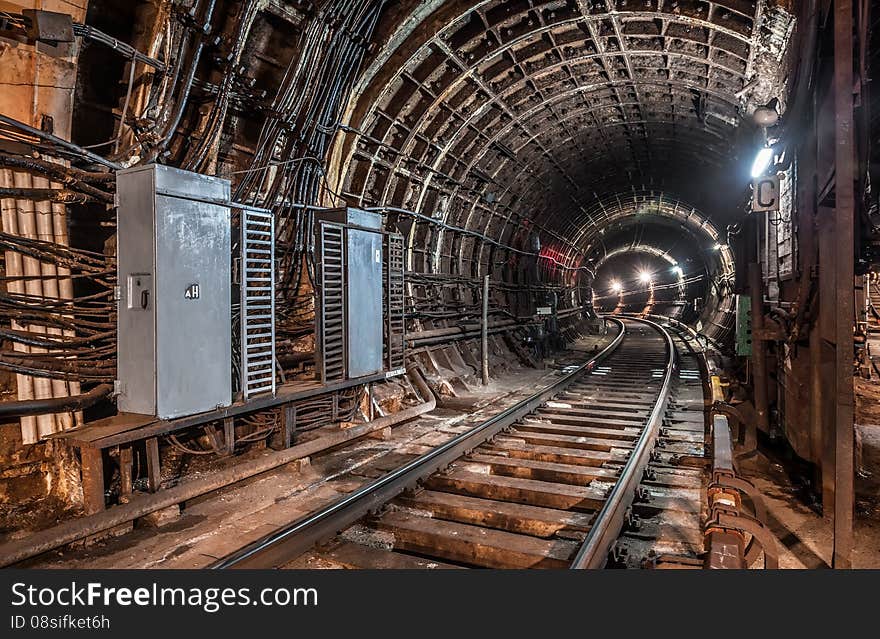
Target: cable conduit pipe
{"type": "Point", "coordinates": [479, 236]}
{"type": "Point", "coordinates": [53, 405]}
{"type": "Point", "coordinates": [58, 142]}
{"type": "Point", "coordinates": [417, 336]}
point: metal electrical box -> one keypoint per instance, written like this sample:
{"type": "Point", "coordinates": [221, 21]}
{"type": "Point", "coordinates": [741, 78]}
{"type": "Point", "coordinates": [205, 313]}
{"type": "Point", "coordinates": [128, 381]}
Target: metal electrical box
{"type": "Point", "coordinates": [744, 325]}
{"type": "Point", "coordinates": [364, 249]}
{"type": "Point", "coordinates": [360, 296]}
{"type": "Point", "coordinates": [174, 269]}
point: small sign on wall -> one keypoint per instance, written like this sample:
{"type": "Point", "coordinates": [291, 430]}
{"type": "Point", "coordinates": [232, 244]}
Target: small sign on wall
{"type": "Point", "coordinates": [765, 194]}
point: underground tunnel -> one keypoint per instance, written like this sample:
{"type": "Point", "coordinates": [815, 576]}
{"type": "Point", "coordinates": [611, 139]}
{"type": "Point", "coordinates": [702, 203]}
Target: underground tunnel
{"type": "Point", "coordinates": [438, 284]}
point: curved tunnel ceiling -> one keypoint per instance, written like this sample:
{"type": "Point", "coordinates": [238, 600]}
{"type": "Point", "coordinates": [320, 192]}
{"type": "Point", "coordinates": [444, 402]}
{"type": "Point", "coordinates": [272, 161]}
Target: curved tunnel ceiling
{"type": "Point", "coordinates": [681, 263]}
{"type": "Point", "coordinates": [611, 219]}
{"type": "Point", "coordinates": [665, 226]}
{"type": "Point", "coordinates": [504, 114]}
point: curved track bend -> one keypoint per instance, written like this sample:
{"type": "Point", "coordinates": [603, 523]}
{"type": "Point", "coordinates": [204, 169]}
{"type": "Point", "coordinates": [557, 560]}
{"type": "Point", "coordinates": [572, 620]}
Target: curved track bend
{"type": "Point", "coordinates": [555, 481]}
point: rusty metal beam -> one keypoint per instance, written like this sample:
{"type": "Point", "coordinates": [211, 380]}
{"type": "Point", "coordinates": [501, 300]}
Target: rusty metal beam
{"type": "Point", "coordinates": [759, 354]}
{"type": "Point", "coordinates": [844, 214]}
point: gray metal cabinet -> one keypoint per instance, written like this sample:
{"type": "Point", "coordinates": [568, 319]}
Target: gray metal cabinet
{"type": "Point", "coordinates": [174, 266]}
{"type": "Point", "coordinates": [354, 288]}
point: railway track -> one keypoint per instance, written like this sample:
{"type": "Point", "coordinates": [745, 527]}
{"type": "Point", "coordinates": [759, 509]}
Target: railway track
{"type": "Point", "coordinates": [582, 470]}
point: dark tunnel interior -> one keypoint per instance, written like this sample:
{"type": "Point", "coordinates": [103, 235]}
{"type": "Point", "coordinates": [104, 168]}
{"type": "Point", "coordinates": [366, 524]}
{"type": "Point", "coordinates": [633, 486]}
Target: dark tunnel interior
{"type": "Point", "coordinates": [566, 121]}
{"type": "Point", "coordinates": [232, 227]}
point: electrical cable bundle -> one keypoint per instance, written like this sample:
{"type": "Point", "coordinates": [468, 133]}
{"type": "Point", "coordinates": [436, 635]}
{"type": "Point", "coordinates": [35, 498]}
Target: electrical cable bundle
{"type": "Point", "coordinates": [310, 414]}
{"type": "Point", "coordinates": [197, 155]}
{"type": "Point", "coordinates": [288, 164]}
{"type": "Point", "coordinates": [75, 338]}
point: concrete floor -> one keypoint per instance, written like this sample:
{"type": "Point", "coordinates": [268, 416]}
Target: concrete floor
{"type": "Point", "coordinates": [805, 536]}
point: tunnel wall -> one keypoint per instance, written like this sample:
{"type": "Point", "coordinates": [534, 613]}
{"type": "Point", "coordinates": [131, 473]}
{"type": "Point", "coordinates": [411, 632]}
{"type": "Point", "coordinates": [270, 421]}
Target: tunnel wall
{"type": "Point", "coordinates": [501, 138]}
{"type": "Point", "coordinates": [505, 119]}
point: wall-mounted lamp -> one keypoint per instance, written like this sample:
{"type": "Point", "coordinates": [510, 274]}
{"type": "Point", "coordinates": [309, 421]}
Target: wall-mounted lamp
{"type": "Point", "coordinates": [766, 116]}
{"type": "Point", "coordinates": [762, 161]}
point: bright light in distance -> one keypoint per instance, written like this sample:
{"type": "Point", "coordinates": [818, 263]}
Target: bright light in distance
{"type": "Point", "coordinates": [646, 277]}
{"type": "Point", "coordinates": [616, 286]}
{"type": "Point", "coordinates": [677, 270]}
{"type": "Point", "coordinates": [762, 162]}
{"type": "Point", "coordinates": [717, 247]}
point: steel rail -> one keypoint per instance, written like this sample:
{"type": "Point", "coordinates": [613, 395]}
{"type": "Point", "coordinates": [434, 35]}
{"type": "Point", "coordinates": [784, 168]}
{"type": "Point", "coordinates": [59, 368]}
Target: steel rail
{"type": "Point", "coordinates": [291, 541]}
{"type": "Point", "coordinates": [608, 524]}
{"type": "Point", "coordinates": [681, 326]}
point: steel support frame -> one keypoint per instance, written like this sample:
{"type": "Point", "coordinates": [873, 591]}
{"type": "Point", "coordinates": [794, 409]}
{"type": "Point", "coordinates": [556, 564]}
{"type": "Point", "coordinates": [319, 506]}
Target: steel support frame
{"type": "Point", "coordinates": [92, 480]}
{"type": "Point", "coordinates": [759, 349]}
{"type": "Point", "coordinates": [844, 216]}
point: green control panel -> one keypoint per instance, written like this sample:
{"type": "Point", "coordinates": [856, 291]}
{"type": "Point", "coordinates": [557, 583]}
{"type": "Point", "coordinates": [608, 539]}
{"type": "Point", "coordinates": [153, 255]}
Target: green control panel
{"type": "Point", "coordinates": [744, 325]}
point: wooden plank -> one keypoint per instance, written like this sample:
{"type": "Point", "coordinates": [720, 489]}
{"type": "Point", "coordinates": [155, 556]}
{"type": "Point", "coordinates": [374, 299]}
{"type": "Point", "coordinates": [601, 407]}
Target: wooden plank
{"type": "Point", "coordinates": [612, 380]}
{"type": "Point", "coordinates": [92, 473]}
{"type": "Point", "coordinates": [517, 518]}
{"type": "Point", "coordinates": [675, 527]}
{"type": "Point", "coordinates": [636, 384]}
{"type": "Point", "coordinates": [126, 461]}
{"type": "Point", "coordinates": [660, 503]}
{"type": "Point", "coordinates": [518, 449]}
{"type": "Point", "coordinates": [285, 436]}
{"type": "Point", "coordinates": [357, 556]}
{"type": "Point", "coordinates": [213, 435]}
{"type": "Point", "coordinates": [569, 441]}
{"type": "Point", "coordinates": [383, 465]}
{"type": "Point", "coordinates": [668, 479]}
{"type": "Point", "coordinates": [596, 410]}
{"type": "Point", "coordinates": [93, 431]}
{"type": "Point", "coordinates": [590, 396]}
{"type": "Point", "coordinates": [575, 420]}
{"type": "Point", "coordinates": [521, 491]}
{"type": "Point", "coordinates": [544, 471]}
{"type": "Point", "coordinates": [635, 390]}
{"type": "Point", "coordinates": [685, 438]}
{"type": "Point", "coordinates": [154, 478]}
{"type": "Point", "coordinates": [229, 435]}
{"type": "Point", "coordinates": [633, 376]}
{"type": "Point", "coordinates": [473, 545]}
{"type": "Point", "coordinates": [599, 407]}
{"type": "Point", "coordinates": [288, 423]}
{"type": "Point", "coordinates": [623, 434]}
